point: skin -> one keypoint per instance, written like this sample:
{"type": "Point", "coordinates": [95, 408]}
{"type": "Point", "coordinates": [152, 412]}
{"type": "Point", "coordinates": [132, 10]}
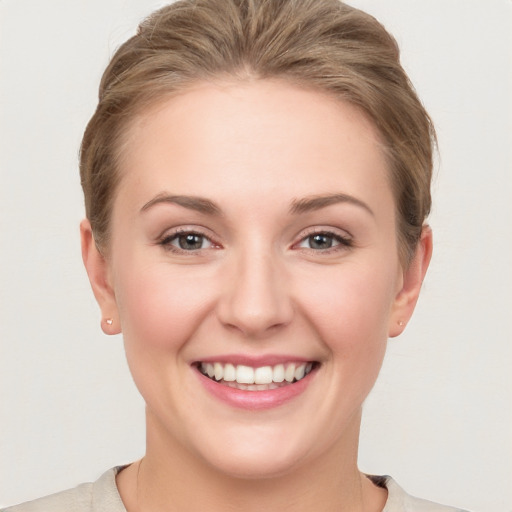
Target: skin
{"type": "Point", "coordinates": [256, 287]}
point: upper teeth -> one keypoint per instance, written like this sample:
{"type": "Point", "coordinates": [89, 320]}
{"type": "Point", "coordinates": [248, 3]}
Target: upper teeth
{"type": "Point", "coordinates": [261, 375]}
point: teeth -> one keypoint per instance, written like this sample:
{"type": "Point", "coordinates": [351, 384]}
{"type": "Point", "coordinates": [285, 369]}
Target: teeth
{"type": "Point", "coordinates": [229, 373]}
{"type": "Point", "coordinates": [219, 371]}
{"type": "Point", "coordinates": [300, 371]}
{"type": "Point", "coordinates": [244, 374]}
{"type": "Point", "coordinates": [263, 377]}
{"type": "Point", "coordinates": [289, 373]}
{"type": "Point", "coordinates": [210, 370]}
{"type": "Point", "coordinates": [278, 373]}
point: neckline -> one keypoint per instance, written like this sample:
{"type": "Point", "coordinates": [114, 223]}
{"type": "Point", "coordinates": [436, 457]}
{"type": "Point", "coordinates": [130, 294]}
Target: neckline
{"type": "Point", "coordinates": [107, 482]}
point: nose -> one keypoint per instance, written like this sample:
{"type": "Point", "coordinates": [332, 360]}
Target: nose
{"type": "Point", "coordinates": [256, 296]}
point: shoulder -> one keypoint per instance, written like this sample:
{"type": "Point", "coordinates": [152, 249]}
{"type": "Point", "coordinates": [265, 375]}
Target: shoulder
{"type": "Point", "coordinates": [99, 496]}
{"type": "Point", "coordinates": [399, 501]}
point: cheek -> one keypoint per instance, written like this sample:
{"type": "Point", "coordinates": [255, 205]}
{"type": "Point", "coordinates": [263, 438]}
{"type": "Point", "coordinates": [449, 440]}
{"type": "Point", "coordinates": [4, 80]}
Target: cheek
{"type": "Point", "coordinates": [161, 306]}
{"type": "Point", "coordinates": [351, 309]}
{"type": "Point", "coordinates": [348, 310]}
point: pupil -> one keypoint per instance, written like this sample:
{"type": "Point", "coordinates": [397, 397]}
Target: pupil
{"type": "Point", "coordinates": [320, 241]}
{"type": "Point", "coordinates": [190, 241]}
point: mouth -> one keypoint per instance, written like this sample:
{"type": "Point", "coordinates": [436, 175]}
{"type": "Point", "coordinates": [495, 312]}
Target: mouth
{"type": "Point", "coordinates": [261, 378]}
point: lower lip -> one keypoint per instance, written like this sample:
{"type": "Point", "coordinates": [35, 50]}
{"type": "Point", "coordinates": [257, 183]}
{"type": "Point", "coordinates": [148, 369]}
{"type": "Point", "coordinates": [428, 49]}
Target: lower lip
{"type": "Point", "coordinates": [256, 400]}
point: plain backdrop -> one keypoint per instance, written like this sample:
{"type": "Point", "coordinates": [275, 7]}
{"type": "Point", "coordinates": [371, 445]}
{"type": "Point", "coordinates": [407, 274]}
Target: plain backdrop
{"type": "Point", "coordinates": [439, 418]}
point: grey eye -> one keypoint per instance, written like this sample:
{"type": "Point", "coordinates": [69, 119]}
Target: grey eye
{"type": "Point", "coordinates": [190, 241]}
{"type": "Point", "coordinates": [187, 241]}
{"type": "Point", "coordinates": [319, 241]}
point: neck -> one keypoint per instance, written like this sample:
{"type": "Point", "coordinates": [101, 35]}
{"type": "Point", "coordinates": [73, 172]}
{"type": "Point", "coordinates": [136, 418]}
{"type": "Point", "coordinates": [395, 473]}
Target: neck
{"type": "Point", "coordinates": [170, 478]}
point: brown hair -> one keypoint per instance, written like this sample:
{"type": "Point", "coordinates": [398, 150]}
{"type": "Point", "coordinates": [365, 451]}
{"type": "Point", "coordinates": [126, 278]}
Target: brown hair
{"type": "Point", "coordinates": [321, 44]}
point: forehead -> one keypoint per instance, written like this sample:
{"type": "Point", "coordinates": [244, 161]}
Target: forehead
{"type": "Point", "coordinates": [264, 137]}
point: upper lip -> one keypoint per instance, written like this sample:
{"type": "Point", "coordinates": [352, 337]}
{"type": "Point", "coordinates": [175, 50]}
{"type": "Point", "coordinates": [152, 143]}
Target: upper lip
{"type": "Point", "coordinates": [254, 361]}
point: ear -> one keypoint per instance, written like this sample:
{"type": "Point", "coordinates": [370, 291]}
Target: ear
{"type": "Point", "coordinates": [97, 269]}
{"type": "Point", "coordinates": [413, 275]}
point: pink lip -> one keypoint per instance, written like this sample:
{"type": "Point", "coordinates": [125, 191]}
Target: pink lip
{"type": "Point", "coordinates": [256, 400]}
{"type": "Point", "coordinates": [254, 361]}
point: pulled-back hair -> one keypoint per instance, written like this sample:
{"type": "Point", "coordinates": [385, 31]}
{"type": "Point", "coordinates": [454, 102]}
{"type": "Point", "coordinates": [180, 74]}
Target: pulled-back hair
{"type": "Point", "coordinates": [321, 44]}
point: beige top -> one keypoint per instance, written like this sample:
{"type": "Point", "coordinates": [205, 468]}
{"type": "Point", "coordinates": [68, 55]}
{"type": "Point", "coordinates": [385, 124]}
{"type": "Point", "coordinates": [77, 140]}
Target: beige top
{"type": "Point", "coordinates": [103, 496]}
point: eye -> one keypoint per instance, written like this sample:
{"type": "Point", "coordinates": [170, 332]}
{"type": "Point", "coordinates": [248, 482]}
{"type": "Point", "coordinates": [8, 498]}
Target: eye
{"type": "Point", "coordinates": [187, 241]}
{"type": "Point", "coordinates": [323, 241]}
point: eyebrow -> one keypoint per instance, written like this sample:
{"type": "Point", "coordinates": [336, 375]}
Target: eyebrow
{"type": "Point", "coordinates": [198, 204]}
{"type": "Point", "coordinates": [308, 204]}
{"type": "Point", "coordinates": [298, 206]}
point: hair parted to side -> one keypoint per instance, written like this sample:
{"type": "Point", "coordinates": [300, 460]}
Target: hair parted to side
{"type": "Point", "coordinates": [320, 44]}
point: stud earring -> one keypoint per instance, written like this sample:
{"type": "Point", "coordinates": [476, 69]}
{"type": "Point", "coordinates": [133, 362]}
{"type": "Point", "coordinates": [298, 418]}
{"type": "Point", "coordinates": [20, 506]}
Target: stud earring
{"type": "Point", "coordinates": [109, 321]}
{"type": "Point", "coordinates": [401, 323]}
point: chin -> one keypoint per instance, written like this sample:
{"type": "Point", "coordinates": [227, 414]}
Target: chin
{"type": "Point", "coordinates": [251, 466]}
{"type": "Point", "coordinates": [265, 458]}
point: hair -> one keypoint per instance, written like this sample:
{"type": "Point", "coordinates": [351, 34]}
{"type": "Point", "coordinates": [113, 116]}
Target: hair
{"type": "Point", "coordinates": [325, 45]}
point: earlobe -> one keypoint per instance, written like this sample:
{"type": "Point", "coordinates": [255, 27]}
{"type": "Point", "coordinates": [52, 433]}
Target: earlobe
{"type": "Point", "coordinates": [97, 269]}
{"type": "Point", "coordinates": [413, 275]}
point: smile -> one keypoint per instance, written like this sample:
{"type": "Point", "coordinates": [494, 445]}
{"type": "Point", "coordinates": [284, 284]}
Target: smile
{"type": "Point", "coordinates": [261, 378]}
{"type": "Point", "coordinates": [256, 383]}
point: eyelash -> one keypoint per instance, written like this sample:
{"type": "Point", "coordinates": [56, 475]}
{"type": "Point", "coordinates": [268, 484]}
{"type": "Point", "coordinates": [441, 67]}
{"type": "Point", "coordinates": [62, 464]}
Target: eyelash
{"type": "Point", "coordinates": [342, 242]}
{"type": "Point", "coordinates": [167, 241]}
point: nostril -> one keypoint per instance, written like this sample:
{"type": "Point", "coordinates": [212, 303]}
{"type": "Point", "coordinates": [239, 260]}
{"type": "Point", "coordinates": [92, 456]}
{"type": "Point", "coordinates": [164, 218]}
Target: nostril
{"type": "Point", "coordinates": [255, 300]}
{"type": "Point", "coordinates": [252, 320]}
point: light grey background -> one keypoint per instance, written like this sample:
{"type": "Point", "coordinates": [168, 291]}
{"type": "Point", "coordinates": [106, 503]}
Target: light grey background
{"type": "Point", "coordinates": [439, 419]}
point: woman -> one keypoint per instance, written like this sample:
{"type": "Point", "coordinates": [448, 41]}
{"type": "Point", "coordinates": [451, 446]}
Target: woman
{"type": "Point", "coordinates": [256, 179]}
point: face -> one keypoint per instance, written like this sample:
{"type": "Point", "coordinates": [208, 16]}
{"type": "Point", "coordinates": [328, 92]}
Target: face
{"type": "Point", "coordinates": [253, 270]}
